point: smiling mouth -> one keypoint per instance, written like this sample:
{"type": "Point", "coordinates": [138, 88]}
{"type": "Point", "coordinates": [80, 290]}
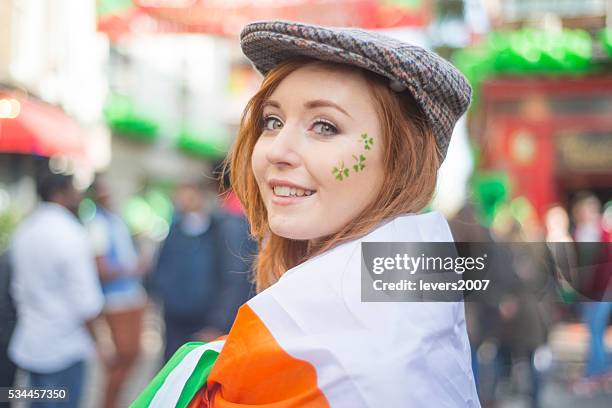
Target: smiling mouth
{"type": "Point", "coordinates": [287, 191]}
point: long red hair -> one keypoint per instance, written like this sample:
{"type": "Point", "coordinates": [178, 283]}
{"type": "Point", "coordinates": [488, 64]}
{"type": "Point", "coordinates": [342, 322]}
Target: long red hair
{"type": "Point", "coordinates": [411, 159]}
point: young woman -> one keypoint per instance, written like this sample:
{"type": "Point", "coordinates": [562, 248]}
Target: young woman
{"type": "Point", "coordinates": [340, 145]}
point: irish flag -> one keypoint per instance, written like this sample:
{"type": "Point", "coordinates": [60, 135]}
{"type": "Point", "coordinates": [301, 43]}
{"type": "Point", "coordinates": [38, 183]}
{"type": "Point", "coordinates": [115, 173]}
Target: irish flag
{"type": "Point", "coordinates": [309, 341]}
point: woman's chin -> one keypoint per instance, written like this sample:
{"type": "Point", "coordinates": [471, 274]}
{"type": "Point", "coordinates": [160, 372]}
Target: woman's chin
{"type": "Point", "coordinates": [282, 232]}
{"type": "Point", "coordinates": [292, 230]}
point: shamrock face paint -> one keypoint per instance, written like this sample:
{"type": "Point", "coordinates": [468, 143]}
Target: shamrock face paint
{"type": "Point", "coordinates": [341, 173]}
{"type": "Point", "coordinates": [360, 163]}
{"type": "Point", "coordinates": [318, 161]}
{"type": "Point", "coordinates": [367, 141]}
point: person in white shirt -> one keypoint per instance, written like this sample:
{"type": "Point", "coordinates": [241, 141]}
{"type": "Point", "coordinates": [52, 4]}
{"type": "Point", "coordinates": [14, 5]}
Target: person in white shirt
{"type": "Point", "coordinates": [56, 291]}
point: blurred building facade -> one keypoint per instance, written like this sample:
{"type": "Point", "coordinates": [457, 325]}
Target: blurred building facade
{"type": "Point", "coordinates": [51, 77]}
{"type": "Point", "coordinates": [543, 83]}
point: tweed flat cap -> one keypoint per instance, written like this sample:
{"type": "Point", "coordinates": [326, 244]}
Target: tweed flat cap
{"type": "Point", "coordinates": [438, 87]}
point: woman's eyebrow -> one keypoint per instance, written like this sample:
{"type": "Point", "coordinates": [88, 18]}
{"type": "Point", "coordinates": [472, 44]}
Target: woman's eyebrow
{"type": "Point", "coordinates": [272, 103]}
{"type": "Point", "coordinates": [318, 103]}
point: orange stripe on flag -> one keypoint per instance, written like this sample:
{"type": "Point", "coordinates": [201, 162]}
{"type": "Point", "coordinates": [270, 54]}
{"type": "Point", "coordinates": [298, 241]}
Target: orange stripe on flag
{"type": "Point", "coordinates": [253, 369]}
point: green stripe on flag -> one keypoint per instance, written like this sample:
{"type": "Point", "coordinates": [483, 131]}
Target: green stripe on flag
{"type": "Point", "coordinates": [147, 395]}
{"type": "Point", "coordinates": [198, 378]}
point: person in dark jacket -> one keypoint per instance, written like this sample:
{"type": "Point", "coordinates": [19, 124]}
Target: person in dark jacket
{"type": "Point", "coordinates": [202, 271]}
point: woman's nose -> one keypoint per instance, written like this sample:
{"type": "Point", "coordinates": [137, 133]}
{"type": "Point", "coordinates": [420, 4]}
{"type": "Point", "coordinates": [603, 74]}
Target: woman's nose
{"type": "Point", "coordinates": [283, 149]}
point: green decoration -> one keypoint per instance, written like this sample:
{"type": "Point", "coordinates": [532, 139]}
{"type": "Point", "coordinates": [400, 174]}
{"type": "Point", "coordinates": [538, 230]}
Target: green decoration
{"type": "Point", "coordinates": [210, 143]}
{"type": "Point", "coordinates": [606, 40]}
{"type": "Point", "coordinates": [491, 191]}
{"type": "Point", "coordinates": [124, 120]}
{"type": "Point", "coordinates": [526, 52]}
{"type": "Point", "coordinates": [367, 141]}
{"type": "Point", "coordinates": [360, 165]}
{"type": "Point", "coordinates": [340, 172]}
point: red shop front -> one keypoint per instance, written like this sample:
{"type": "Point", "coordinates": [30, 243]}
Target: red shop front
{"type": "Point", "coordinates": [551, 136]}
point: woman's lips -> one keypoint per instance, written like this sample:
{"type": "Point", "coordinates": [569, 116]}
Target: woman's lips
{"type": "Point", "coordinates": [287, 200]}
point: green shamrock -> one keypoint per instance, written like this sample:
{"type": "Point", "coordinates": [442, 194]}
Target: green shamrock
{"type": "Point", "coordinates": [368, 141]}
{"type": "Point", "coordinates": [341, 172]}
{"type": "Point", "coordinates": [360, 165]}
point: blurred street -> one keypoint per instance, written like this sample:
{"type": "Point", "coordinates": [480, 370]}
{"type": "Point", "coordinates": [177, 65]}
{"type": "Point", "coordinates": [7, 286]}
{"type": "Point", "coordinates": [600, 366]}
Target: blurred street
{"type": "Point", "coordinates": [123, 234]}
{"type": "Point", "coordinates": [569, 345]}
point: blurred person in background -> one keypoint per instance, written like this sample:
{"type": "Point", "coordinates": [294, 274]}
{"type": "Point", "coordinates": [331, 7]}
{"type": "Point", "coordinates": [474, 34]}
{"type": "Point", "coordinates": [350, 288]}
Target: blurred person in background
{"type": "Point", "coordinates": [124, 297]}
{"type": "Point", "coordinates": [559, 239]}
{"type": "Point", "coordinates": [524, 320]}
{"type": "Point", "coordinates": [607, 217]}
{"type": "Point", "coordinates": [589, 227]}
{"type": "Point", "coordinates": [228, 200]}
{"type": "Point", "coordinates": [557, 224]}
{"type": "Point", "coordinates": [240, 249]}
{"type": "Point", "coordinates": [56, 291]}
{"type": "Point", "coordinates": [198, 278]}
{"type": "Point", "coordinates": [480, 317]}
{"type": "Point", "coordinates": [8, 319]}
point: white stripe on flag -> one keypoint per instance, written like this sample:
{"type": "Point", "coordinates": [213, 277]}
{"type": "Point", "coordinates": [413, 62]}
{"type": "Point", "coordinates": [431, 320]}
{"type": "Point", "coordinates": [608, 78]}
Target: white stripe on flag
{"type": "Point", "coordinates": [170, 391]}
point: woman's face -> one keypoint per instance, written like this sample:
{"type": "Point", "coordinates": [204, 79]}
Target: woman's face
{"type": "Point", "coordinates": [318, 161]}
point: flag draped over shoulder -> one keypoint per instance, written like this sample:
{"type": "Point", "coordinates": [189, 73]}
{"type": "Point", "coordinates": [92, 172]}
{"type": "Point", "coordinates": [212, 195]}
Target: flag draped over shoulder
{"type": "Point", "coordinates": [177, 384]}
{"type": "Point", "coordinates": [309, 341]}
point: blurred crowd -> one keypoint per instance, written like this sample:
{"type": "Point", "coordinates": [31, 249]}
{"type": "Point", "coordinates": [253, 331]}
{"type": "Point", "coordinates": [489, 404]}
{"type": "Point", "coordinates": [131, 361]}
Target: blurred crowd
{"type": "Point", "coordinates": [511, 337]}
{"type": "Point", "coordinates": [62, 279]}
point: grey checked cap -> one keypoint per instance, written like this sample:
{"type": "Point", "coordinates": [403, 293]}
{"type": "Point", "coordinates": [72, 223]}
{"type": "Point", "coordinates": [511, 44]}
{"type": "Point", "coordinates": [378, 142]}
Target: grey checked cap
{"type": "Point", "coordinates": [438, 87]}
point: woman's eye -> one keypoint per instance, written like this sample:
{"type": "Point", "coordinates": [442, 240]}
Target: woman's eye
{"type": "Point", "coordinates": [272, 123]}
{"type": "Point", "coordinates": [324, 128]}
